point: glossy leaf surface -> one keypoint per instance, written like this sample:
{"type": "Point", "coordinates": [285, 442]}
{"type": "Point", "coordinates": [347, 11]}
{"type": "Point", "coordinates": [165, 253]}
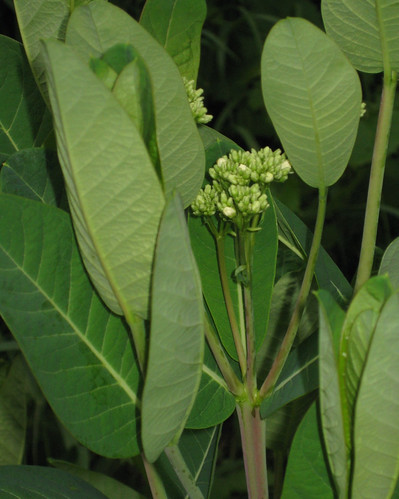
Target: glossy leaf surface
{"type": "Point", "coordinates": [97, 27]}
{"type": "Point", "coordinates": [177, 24]}
{"type": "Point", "coordinates": [78, 351]}
{"type": "Point", "coordinates": [376, 424]}
{"type": "Point", "coordinates": [390, 263]}
{"type": "Point", "coordinates": [366, 30]}
{"type": "Point", "coordinates": [177, 335]}
{"type": "Point", "coordinates": [113, 191]}
{"type": "Point", "coordinates": [24, 119]}
{"type": "Point", "coordinates": [313, 96]}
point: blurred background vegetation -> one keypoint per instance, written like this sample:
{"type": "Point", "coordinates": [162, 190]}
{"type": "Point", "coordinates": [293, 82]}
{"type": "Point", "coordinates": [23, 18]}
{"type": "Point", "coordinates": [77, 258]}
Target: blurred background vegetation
{"type": "Point", "coordinates": [233, 37]}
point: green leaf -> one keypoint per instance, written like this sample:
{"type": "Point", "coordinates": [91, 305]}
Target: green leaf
{"type": "Point", "coordinates": [327, 274]}
{"type": "Point", "coordinates": [177, 25]}
{"type": "Point", "coordinates": [111, 488]}
{"type": "Point", "coordinates": [214, 403]}
{"type": "Point", "coordinates": [89, 376]}
{"type": "Point", "coordinates": [34, 174]}
{"type": "Point", "coordinates": [37, 482]}
{"type": "Point", "coordinates": [24, 119]}
{"type": "Point", "coordinates": [313, 97]}
{"type": "Point", "coordinates": [40, 20]}
{"type": "Point", "coordinates": [333, 418]}
{"type": "Point", "coordinates": [13, 414]}
{"type": "Point", "coordinates": [306, 475]}
{"type": "Point", "coordinates": [366, 31]}
{"type": "Point", "coordinates": [97, 27]}
{"type": "Point", "coordinates": [215, 144]}
{"type": "Point", "coordinates": [114, 194]}
{"type": "Point", "coordinates": [376, 424]}
{"type": "Point", "coordinates": [390, 263]}
{"type": "Point", "coordinates": [357, 333]}
{"type": "Point", "coordinates": [177, 335]}
{"type": "Point", "coordinates": [199, 449]}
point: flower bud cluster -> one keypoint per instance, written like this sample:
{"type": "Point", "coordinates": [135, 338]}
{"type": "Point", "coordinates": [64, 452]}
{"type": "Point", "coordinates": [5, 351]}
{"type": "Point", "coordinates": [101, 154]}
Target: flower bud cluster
{"type": "Point", "coordinates": [240, 179]}
{"type": "Point", "coordinates": [196, 100]}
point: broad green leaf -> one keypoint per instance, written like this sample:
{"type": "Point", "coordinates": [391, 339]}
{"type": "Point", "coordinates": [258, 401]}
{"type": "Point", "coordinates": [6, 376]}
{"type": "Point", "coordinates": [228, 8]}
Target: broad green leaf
{"type": "Point", "coordinates": [299, 377]}
{"type": "Point", "coordinates": [114, 194]}
{"type": "Point", "coordinates": [38, 482]}
{"type": "Point", "coordinates": [390, 263]}
{"type": "Point", "coordinates": [357, 333]}
{"type": "Point", "coordinates": [111, 488]}
{"type": "Point", "coordinates": [177, 25]}
{"type": "Point", "coordinates": [327, 274]}
{"type": "Point", "coordinates": [24, 119]}
{"type": "Point", "coordinates": [39, 20]}
{"type": "Point", "coordinates": [376, 423]}
{"type": "Point", "coordinates": [215, 144]}
{"type": "Point", "coordinates": [35, 174]}
{"type": "Point", "coordinates": [199, 449]}
{"type": "Point", "coordinates": [176, 348]}
{"type": "Point", "coordinates": [366, 30]}
{"type": "Point", "coordinates": [213, 403]}
{"type": "Point", "coordinates": [313, 96]}
{"type": "Point", "coordinates": [333, 419]}
{"type": "Point", "coordinates": [307, 475]}
{"type": "Point", "coordinates": [13, 414]}
{"type": "Point", "coordinates": [79, 352]}
{"type": "Point", "coordinates": [95, 28]}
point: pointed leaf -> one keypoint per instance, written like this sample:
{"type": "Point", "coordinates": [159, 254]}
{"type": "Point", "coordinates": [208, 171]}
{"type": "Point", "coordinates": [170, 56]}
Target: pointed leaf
{"type": "Point", "coordinates": [177, 24]}
{"type": "Point", "coordinates": [13, 414]}
{"type": "Point", "coordinates": [38, 482]}
{"type": "Point", "coordinates": [177, 335]}
{"type": "Point", "coordinates": [376, 425]}
{"type": "Point", "coordinates": [357, 333]}
{"type": "Point", "coordinates": [366, 30]}
{"type": "Point", "coordinates": [39, 20]}
{"type": "Point", "coordinates": [35, 174]}
{"type": "Point", "coordinates": [95, 28]}
{"type": "Point", "coordinates": [114, 193]}
{"type": "Point", "coordinates": [80, 353]}
{"type": "Point", "coordinates": [331, 405]}
{"type": "Point", "coordinates": [390, 263]}
{"type": "Point", "coordinates": [313, 96]}
{"type": "Point", "coordinates": [24, 119]}
{"type": "Point", "coordinates": [306, 474]}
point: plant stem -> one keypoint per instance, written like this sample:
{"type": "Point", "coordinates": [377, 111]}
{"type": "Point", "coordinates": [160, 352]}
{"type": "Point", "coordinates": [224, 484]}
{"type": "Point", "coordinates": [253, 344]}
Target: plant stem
{"type": "Point", "coordinates": [233, 383]}
{"type": "Point", "coordinates": [229, 303]}
{"type": "Point", "coordinates": [154, 480]}
{"type": "Point", "coordinates": [293, 325]}
{"type": "Point", "coordinates": [253, 438]}
{"type": "Point", "coordinates": [376, 179]}
{"type": "Point", "coordinates": [180, 467]}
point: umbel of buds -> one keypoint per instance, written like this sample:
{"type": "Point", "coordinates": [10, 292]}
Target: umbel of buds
{"type": "Point", "coordinates": [239, 182]}
{"type": "Point", "coordinates": [196, 100]}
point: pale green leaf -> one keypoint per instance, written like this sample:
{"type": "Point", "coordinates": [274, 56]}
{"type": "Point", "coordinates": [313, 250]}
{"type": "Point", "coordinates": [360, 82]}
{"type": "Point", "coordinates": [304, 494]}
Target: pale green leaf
{"type": "Point", "coordinates": [79, 352]}
{"type": "Point", "coordinates": [24, 119]}
{"type": "Point", "coordinates": [176, 348]}
{"type": "Point", "coordinates": [331, 406]}
{"type": "Point", "coordinates": [366, 30]}
{"type": "Point", "coordinates": [177, 24]}
{"type": "Point", "coordinates": [39, 20]}
{"type": "Point", "coordinates": [113, 191]}
{"type": "Point", "coordinates": [94, 29]}
{"type": "Point", "coordinates": [111, 488]}
{"type": "Point", "coordinates": [390, 263]}
{"type": "Point", "coordinates": [313, 97]}
{"type": "Point", "coordinates": [307, 476]}
{"type": "Point", "coordinates": [357, 333]}
{"type": "Point", "coordinates": [37, 482]}
{"type": "Point", "coordinates": [35, 174]}
{"type": "Point", "coordinates": [376, 424]}
{"type": "Point", "coordinates": [13, 414]}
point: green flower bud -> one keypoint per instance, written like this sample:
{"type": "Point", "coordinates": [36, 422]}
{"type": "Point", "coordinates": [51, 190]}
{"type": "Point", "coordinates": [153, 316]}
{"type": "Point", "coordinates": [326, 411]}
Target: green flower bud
{"type": "Point", "coordinates": [196, 101]}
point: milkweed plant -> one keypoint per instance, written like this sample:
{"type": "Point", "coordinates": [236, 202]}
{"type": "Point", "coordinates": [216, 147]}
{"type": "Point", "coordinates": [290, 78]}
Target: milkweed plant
{"type": "Point", "coordinates": [154, 284]}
